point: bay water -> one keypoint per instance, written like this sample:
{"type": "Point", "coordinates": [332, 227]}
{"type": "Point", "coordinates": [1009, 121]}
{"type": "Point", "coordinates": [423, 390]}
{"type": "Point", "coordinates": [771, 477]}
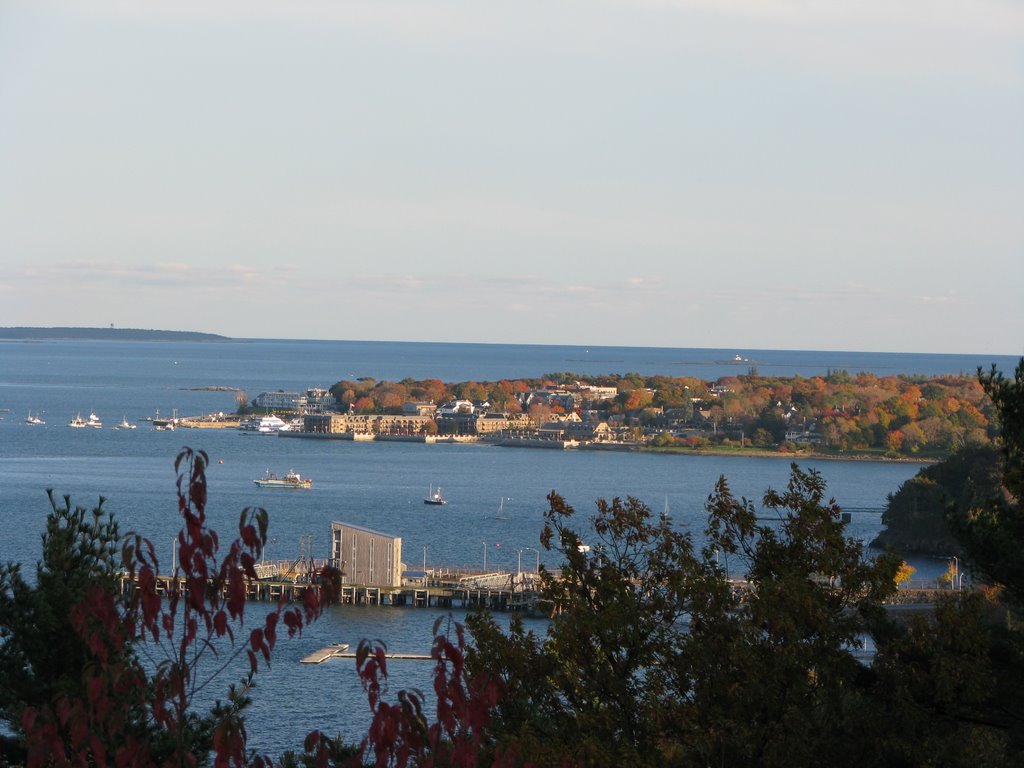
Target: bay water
{"type": "Point", "coordinates": [377, 485]}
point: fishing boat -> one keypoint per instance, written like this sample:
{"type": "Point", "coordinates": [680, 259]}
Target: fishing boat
{"type": "Point", "coordinates": [291, 480]}
{"type": "Point", "coordinates": [94, 421]}
{"type": "Point", "coordinates": [434, 497]}
{"type": "Point", "coordinates": [125, 424]}
{"type": "Point", "coordinates": [78, 422]}
{"type": "Point", "coordinates": [30, 419]}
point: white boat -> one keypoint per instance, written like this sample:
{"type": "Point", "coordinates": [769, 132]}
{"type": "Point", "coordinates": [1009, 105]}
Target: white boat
{"type": "Point", "coordinates": [125, 424]}
{"type": "Point", "coordinates": [78, 422]}
{"type": "Point", "coordinates": [264, 425]}
{"type": "Point", "coordinates": [501, 510]}
{"type": "Point", "coordinates": [30, 419]}
{"type": "Point", "coordinates": [94, 421]}
{"type": "Point", "coordinates": [291, 480]}
{"type": "Point", "coordinates": [434, 497]}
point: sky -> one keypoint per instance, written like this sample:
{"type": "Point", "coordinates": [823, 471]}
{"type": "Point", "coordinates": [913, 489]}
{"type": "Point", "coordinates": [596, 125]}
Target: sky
{"type": "Point", "coordinates": [750, 174]}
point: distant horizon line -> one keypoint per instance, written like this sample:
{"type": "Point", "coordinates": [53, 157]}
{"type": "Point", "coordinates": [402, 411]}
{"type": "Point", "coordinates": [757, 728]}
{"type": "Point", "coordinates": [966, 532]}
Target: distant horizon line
{"type": "Point", "coordinates": [58, 333]}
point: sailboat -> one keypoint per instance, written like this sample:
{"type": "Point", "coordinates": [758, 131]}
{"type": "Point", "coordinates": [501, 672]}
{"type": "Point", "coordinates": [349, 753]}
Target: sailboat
{"type": "Point", "coordinates": [434, 497]}
{"type": "Point", "coordinates": [501, 510]}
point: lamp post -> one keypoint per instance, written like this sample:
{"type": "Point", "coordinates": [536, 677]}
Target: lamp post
{"type": "Point", "coordinates": [174, 555]}
{"type": "Point", "coordinates": [485, 555]}
{"type": "Point", "coordinates": [537, 552]}
{"type": "Point", "coordinates": [266, 549]}
{"type": "Point", "coordinates": [425, 548]}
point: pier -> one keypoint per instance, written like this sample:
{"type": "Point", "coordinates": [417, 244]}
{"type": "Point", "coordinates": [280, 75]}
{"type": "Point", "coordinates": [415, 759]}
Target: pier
{"type": "Point", "coordinates": [446, 589]}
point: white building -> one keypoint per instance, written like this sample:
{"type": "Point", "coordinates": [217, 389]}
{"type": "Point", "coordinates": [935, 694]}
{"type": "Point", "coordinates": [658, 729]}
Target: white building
{"type": "Point", "coordinates": [279, 401]}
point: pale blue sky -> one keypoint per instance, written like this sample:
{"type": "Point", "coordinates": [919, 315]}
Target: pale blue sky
{"type": "Point", "coordinates": [688, 173]}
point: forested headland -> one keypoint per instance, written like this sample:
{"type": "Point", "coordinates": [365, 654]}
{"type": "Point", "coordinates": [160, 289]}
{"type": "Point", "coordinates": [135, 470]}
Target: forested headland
{"type": "Point", "coordinates": [26, 333]}
{"type": "Point", "coordinates": [835, 414]}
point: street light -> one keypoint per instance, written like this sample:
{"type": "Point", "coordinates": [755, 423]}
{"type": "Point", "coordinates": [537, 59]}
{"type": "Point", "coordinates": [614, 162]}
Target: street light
{"type": "Point", "coordinates": [425, 548]}
{"type": "Point", "coordinates": [485, 555]}
{"type": "Point", "coordinates": [531, 549]}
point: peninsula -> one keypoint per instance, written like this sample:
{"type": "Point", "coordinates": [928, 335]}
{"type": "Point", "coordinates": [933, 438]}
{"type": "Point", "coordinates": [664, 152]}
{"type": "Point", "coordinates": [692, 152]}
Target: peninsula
{"type": "Point", "coordinates": [23, 333]}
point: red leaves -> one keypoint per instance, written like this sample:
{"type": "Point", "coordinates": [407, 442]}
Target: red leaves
{"type": "Point", "coordinates": [220, 623]}
{"type": "Point", "coordinates": [122, 710]}
{"type": "Point", "coordinates": [400, 735]}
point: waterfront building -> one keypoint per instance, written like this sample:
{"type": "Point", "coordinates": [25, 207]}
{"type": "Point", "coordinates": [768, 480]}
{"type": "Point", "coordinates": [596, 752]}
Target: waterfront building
{"type": "Point", "coordinates": [365, 556]}
{"type": "Point", "coordinates": [319, 400]}
{"type": "Point", "coordinates": [588, 431]}
{"type": "Point", "coordinates": [455, 408]}
{"type": "Point", "coordinates": [313, 400]}
{"type": "Point", "coordinates": [365, 423]}
{"type": "Point", "coordinates": [279, 401]}
{"type": "Point", "coordinates": [490, 423]}
{"type": "Point", "coordinates": [419, 408]}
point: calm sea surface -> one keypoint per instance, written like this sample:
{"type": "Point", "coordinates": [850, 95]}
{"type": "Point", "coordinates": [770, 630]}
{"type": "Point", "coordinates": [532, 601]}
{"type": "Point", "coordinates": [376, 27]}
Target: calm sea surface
{"type": "Point", "coordinates": [377, 485]}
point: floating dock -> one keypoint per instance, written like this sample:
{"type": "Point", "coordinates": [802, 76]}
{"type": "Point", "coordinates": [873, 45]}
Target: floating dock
{"type": "Point", "coordinates": [332, 651]}
{"type": "Point", "coordinates": [341, 651]}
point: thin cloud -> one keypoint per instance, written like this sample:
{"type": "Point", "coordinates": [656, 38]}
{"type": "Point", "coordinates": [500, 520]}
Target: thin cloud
{"type": "Point", "coordinates": [101, 275]}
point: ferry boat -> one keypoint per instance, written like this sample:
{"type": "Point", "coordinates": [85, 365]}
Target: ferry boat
{"type": "Point", "coordinates": [291, 480]}
{"type": "Point", "coordinates": [434, 497]}
{"type": "Point", "coordinates": [264, 425]}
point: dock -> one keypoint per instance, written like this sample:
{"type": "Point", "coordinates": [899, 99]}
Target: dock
{"type": "Point", "coordinates": [496, 591]}
{"type": "Point", "coordinates": [334, 650]}
{"type": "Point", "coordinates": [341, 651]}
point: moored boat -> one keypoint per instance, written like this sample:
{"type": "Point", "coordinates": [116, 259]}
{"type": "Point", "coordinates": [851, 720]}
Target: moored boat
{"type": "Point", "coordinates": [125, 424]}
{"type": "Point", "coordinates": [94, 421]}
{"type": "Point", "coordinates": [434, 497]}
{"type": "Point", "coordinates": [291, 480]}
{"type": "Point", "coordinates": [78, 422]}
{"type": "Point", "coordinates": [264, 425]}
{"type": "Point", "coordinates": [30, 419]}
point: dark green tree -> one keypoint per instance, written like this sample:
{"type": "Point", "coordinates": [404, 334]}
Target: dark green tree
{"type": "Point", "coordinates": [916, 516]}
{"type": "Point", "coordinates": [40, 653]}
{"type": "Point", "coordinates": [655, 657]}
{"type": "Point", "coordinates": [953, 680]}
{"type": "Point", "coordinates": [992, 532]}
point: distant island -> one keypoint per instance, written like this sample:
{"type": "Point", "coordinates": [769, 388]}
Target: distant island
{"type": "Point", "coordinates": [104, 334]}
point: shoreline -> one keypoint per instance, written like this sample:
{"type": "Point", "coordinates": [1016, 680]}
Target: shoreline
{"type": "Point", "coordinates": [560, 445]}
{"type": "Point", "coordinates": [793, 456]}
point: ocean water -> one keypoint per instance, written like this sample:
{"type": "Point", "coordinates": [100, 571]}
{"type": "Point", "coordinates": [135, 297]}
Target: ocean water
{"type": "Point", "coordinates": [378, 485]}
